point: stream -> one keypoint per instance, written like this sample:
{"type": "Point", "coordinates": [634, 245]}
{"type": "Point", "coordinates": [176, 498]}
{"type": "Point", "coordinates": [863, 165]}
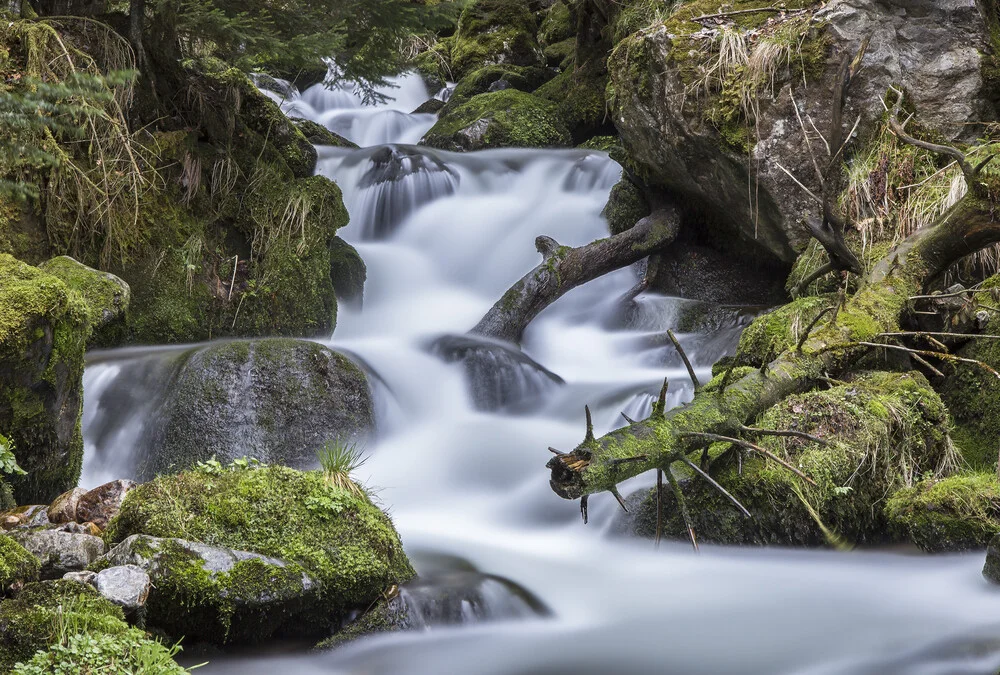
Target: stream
{"type": "Point", "coordinates": [511, 580]}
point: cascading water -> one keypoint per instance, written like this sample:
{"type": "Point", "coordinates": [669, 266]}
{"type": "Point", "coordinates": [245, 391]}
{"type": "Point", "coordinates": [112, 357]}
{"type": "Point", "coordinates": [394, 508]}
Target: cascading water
{"type": "Point", "coordinates": [463, 430]}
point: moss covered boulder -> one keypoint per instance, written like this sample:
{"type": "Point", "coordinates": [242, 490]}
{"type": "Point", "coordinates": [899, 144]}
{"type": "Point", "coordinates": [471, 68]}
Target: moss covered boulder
{"type": "Point", "coordinates": [957, 513]}
{"type": "Point", "coordinates": [882, 430]}
{"type": "Point", "coordinates": [579, 96]}
{"type": "Point", "coordinates": [107, 297]}
{"type": "Point", "coordinates": [500, 119]}
{"type": "Point", "coordinates": [487, 78]}
{"type": "Point", "coordinates": [772, 333]}
{"type": "Point", "coordinates": [278, 400]}
{"type": "Point", "coordinates": [336, 536]}
{"type": "Point", "coordinates": [17, 565]}
{"type": "Point", "coordinates": [217, 594]}
{"type": "Point", "coordinates": [494, 32]}
{"type": "Point", "coordinates": [44, 329]}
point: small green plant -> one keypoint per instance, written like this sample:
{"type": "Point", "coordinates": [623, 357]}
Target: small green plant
{"type": "Point", "coordinates": [8, 463]}
{"type": "Point", "coordinates": [213, 467]}
{"type": "Point", "coordinates": [338, 459]}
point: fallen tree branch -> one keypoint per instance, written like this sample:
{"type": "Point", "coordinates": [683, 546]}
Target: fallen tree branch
{"type": "Point", "coordinates": [563, 269]}
{"type": "Point", "coordinates": [685, 359]}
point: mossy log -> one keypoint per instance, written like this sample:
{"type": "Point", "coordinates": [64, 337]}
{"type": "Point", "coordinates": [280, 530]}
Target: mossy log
{"type": "Point", "coordinates": [564, 268]}
{"type": "Point", "coordinates": [832, 348]}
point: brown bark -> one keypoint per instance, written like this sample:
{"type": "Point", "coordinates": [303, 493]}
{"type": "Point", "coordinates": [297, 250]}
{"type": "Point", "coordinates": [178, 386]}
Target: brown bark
{"type": "Point", "coordinates": [563, 269]}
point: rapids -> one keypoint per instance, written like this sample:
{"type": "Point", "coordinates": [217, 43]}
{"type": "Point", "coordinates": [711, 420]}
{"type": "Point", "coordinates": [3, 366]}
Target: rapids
{"type": "Point", "coordinates": [464, 425]}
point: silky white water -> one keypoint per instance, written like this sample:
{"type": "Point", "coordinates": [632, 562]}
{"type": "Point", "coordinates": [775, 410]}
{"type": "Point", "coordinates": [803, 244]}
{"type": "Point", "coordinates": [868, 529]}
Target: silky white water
{"type": "Point", "coordinates": [459, 460]}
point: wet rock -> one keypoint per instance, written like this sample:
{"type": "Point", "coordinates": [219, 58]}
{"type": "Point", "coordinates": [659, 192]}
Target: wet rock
{"type": "Point", "coordinates": [63, 509]}
{"type": "Point", "coordinates": [100, 505]}
{"type": "Point", "coordinates": [277, 400]}
{"type": "Point", "coordinates": [499, 374]}
{"type": "Point", "coordinates": [957, 513]}
{"type": "Point", "coordinates": [991, 570]}
{"type": "Point", "coordinates": [430, 106]}
{"type": "Point", "coordinates": [702, 273]}
{"type": "Point", "coordinates": [207, 592]}
{"type": "Point", "coordinates": [348, 273]}
{"type": "Point", "coordinates": [483, 80]}
{"type": "Point", "coordinates": [494, 32]}
{"type": "Point", "coordinates": [60, 552]}
{"type": "Point", "coordinates": [317, 134]}
{"type": "Point", "coordinates": [127, 586]}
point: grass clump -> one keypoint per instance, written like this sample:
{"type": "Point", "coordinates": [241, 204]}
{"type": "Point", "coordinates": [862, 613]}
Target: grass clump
{"type": "Point", "coordinates": [338, 459]}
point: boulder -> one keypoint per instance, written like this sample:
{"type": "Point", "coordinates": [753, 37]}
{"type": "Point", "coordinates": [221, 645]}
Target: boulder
{"type": "Point", "coordinates": [480, 81]}
{"type": "Point", "coordinates": [60, 552]}
{"type": "Point", "coordinates": [957, 513]}
{"type": "Point", "coordinates": [30, 516]}
{"type": "Point", "coordinates": [348, 272]}
{"type": "Point", "coordinates": [99, 506]}
{"type": "Point", "coordinates": [127, 586]}
{"type": "Point", "coordinates": [107, 297]}
{"type": "Point", "coordinates": [991, 570]}
{"type": "Point", "coordinates": [17, 565]}
{"type": "Point", "coordinates": [63, 509]}
{"type": "Point", "coordinates": [494, 32]}
{"type": "Point", "coordinates": [686, 126]}
{"type": "Point", "coordinates": [335, 537]}
{"type": "Point", "coordinates": [501, 119]}
{"type": "Point", "coordinates": [84, 577]}
{"type": "Point", "coordinates": [278, 400]}
{"type": "Point", "coordinates": [206, 592]}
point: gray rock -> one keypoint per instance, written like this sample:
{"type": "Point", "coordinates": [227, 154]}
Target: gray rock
{"type": "Point", "coordinates": [932, 49]}
{"type": "Point", "coordinates": [125, 585]}
{"type": "Point", "coordinates": [84, 577]}
{"type": "Point", "coordinates": [991, 570]}
{"type": "Point", "coordinates": [277, 400]}
{"type": "Point", "coordinates": [218, 594]}
{"type": "Point", "coordinates": [60, 552]}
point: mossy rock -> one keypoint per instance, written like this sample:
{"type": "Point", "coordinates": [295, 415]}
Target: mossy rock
{"type": "Point", "coordinates": [348, 272]}
{"type": "Point", "coordinates": [626, 206]}
{"type": "Point", "coordinates": [814, 257]}
{"type": "Point", "coordinates": [107, 297]}
{"type": "Point", "coordinates": [522, 78]}
{"type": "Point", "coordinates": [881, 430]}
{"type": "Point", "coordinates": [32, 620]}
{"type": "Point", "coordinates": [317, 134]}
{"type": "Point", "coordinates": [958, 513]}
{"type": "Point", "coordinates": [17, 566]}
{"type": "Point", "coordinates": [780, 329]}
{"type": "Point", "coordinates": [384, 617]}
{"type": "Point", "coordinates": [276, 399]}
{"type": "Point", "coordinates": [501, 119]}
{"type": "Point", "coordinates": [337, 536]}
{"type": "Point", "coordinates": [44, 328]}
{"type": "Point", "coordinates": [561, 55]}
{"type": "Point", "coordinates": [579, 97]}
{"type": "Point", "coordinates": [609, 144]}
{"type": "Point", "coordinates": [494, 32]}
{"type": "Point", "coordinates": [218, 595]}
{"type": "Point", "coordinates": [558, 24]}
{"type": "Point", "coordinates": [434, 65]}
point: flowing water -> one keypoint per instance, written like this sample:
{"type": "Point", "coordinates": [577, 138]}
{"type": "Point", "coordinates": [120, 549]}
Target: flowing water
{"type": "Point", "coordinates": [511, 579]}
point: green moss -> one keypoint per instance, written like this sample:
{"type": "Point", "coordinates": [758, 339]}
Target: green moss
{"type": "Point", "coordinates": [579, 98]}
{"type": "Point", "coordinates": [950, 514]}
{"type": "Point", "coordinates": [384, 617]}
{"type": "Point", "coordinates": [881, 428]}
{"type": "Point", "coordinates": [17, 566]}
{"type": "Point", "coordinates": [342, 540]}
{"type": "Point", "coordinates": [770, 334]}
{"type": "Point", "coordinates": [494, 31]}
{"type": "Point", "coordinates": [107, 298]}
{"type": "Point", "coordinates": [42, 611]}
{"type": "Point", "coordinates": [511, 118]}
{"type": "Point", "coordinates": [626, 206]}
{"type": "Point", "coordinates": [558, 24]}
{"type": "Point", "coordinates": [22, 234]}
{"type": "Point", "coordinates": [608, 144]}
{"type": "Point", "coordinates": [522, 78]}
{"type": "Point", "coordinates": [561, 55]}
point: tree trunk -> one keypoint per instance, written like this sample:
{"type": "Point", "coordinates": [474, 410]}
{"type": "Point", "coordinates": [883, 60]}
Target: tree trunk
{"type": "Point", "coordinates": [564, 268]}
{"type": "Point", "coordinates": [596, 464]}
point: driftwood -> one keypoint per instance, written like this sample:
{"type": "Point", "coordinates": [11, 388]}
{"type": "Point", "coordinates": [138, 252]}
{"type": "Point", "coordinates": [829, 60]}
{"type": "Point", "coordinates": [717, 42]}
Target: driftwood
{"type": "Point", "coordinates": [563, 269]}
{"type": "Point", "coordinates": [873, 313]}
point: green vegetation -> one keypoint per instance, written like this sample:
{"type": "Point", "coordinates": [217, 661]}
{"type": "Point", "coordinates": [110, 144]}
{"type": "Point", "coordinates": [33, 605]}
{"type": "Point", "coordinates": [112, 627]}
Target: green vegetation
{"type": "Point", "coordinates": [338, 459]}
{"type": "Point", "coordinates": [494, 32]}
{"type": "Point", "coordinates": [338, 536]}
{"type": "Point", "coordinates": [501, 119]}
{"type": "Point", "coordinates": [957, 513]}
{"type": "Point", "coordinates": [17, 565]}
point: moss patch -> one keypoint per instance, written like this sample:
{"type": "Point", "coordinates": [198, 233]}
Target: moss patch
{"type": "Point", "coordinates": [494, 31]}
{"type": "Point", "coordinates": [770, 334]}
{"type": "Point", "coordinates": [17, 566]}
{"type": "Point", "coordinates": [958, 513]}
{"type": "Point", "coordinates": [342, 540]}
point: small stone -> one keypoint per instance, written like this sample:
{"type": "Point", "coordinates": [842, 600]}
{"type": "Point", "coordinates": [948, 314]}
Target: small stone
{"type": "Point", "coordinates": [102, 503]}
{"type": "Point", "coordinates": [125, 585]}
{"type": "Point", "coordinates": [60, 552]}
{"type": "Point", "coordinates": [84, 577]}
{"type": "Point", "coordinates": [34, 515]}
{"type": "Point", "coordinates": [63, 509]}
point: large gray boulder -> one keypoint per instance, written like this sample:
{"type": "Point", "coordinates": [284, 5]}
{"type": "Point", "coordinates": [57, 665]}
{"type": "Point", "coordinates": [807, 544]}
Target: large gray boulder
{"type": "Point", "coordinates": [60, 552]}
{"type": "Point", "coordinates": [700, 145]}
{"type": "Point", "coordinates": [211, 593]}
{"type": "Point", "coordinates": [277, 400]}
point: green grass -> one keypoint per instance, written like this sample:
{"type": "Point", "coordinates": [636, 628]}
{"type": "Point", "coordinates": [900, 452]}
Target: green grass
{"type": "Point", "coordinates": [338, 459]}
